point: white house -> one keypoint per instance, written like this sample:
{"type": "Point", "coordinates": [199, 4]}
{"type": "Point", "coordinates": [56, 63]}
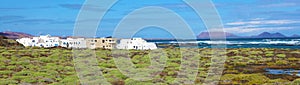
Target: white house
{"type": "Point", "coordinates": [42, 41]}
{"type": "Point", "coordinates": [48, 41]}
{"type": "Point", "coordinates": [25, 41]}
{"type": "Point", "coordinates": [136, 43]}
{"type": "Point", "coordinates": [73, 43]}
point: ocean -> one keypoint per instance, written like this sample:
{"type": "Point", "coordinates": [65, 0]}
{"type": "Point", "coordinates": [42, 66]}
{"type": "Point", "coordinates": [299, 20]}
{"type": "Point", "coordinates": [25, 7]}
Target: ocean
{"type": "Point", "coordinates": [291, 43]}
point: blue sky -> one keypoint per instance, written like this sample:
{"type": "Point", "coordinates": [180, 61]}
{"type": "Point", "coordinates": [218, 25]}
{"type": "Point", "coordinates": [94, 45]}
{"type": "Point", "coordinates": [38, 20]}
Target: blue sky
{"type": "Point", "coordinates": [241, 17]}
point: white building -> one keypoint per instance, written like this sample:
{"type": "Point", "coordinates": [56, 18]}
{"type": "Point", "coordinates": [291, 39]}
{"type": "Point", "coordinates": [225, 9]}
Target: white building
{"type": "Point", "coordinates": [47, 41]}
{"type": "Point", "coordinates": [25, 41]}
{"type": "Point", "coordinates": [136, 43]}
{"type": "Point", "coordinates": [73, 43]}
{"type": "Point", "coordinates": [42, 41]}
{"type": "Point", "coordinates": [107, 43]}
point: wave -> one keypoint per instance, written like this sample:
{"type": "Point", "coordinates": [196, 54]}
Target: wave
{"type": "Point", "coordinates": [238, 42]}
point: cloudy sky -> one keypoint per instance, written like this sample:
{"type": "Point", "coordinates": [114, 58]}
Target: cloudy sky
{"type": "Point", "coordinates": [241, 17]}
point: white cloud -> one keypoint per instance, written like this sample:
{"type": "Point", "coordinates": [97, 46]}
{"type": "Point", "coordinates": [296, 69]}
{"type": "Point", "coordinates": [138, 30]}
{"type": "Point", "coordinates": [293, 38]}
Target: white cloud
{"type": "Point", "coordinates": [257, 25]}
{"type": "Point", "coordinates": [263, 22]}
{"type": "Point", "coordinates": [258, 19]}
{"type": "Point", "coordinates": [280, 5]}
{"type": "Point", "coordinates": [249, 29]}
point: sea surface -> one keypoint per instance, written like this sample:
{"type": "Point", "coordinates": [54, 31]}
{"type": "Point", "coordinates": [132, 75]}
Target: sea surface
{"type": "Point", "coordinates": [283, 71]}
{"type": "Point", "coordinates": [292, 43]}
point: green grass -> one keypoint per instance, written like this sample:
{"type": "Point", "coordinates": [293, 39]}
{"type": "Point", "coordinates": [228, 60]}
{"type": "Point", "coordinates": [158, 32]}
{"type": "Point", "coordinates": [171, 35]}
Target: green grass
{"type": "Point", "coordinates": [56, 66]}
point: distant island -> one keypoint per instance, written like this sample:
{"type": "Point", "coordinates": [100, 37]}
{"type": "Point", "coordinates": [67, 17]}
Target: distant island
{"type": "Point", "coordinates": [206, 35]}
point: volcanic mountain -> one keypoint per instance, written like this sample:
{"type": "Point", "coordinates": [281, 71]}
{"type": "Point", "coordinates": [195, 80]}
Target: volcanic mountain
{"type": "Point", "coordinates": [295, 35]}
{"type": "Point", "coordinates": [206, 35]}
{"type": "Point", "coordinates": [269, 35]}
{"type": "Point", "coordinates": [15, 35]}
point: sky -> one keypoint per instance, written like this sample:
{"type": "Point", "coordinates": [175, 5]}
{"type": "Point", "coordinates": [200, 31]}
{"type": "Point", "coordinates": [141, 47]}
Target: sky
{"type": "Point", "coordinates": [58, 17]}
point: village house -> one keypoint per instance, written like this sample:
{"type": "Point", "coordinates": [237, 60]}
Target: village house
{"type": "Point", "coordinates": [25, 41]}
{"type": "Point", "coordinates": [42, 41]}
{"type": "Point", "coordinates": [105, 43]}
{"type": "Point", "coordinates": [136, 43]}
{"type": "Point", "coordinates": [48, 41]}
{"type": "Point", "coordinates": [73, 43]}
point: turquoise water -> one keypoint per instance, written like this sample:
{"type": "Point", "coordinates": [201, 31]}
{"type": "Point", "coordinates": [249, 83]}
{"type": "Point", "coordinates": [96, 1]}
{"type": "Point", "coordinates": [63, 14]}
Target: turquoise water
{"type": "Point", "coordinates": [283, 71]}
{"type": "Point", "coordinates": [293, 43]}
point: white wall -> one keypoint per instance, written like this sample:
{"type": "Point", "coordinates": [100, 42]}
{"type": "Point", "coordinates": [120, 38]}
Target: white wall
{"type": "Point", "coordinates": [25, 41]}
{"type": "Point", "coordinates": [136, 43]}
{"type": "Point", "coordinates": [42, 41]}
{"type": "Point", "coordinates": [73, 43]}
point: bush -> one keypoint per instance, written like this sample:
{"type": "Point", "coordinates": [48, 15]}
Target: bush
{"type": "Point", "coordinates": [19, 78]}
{"type": "Point", "coordinates": [70, 80]}
{"type": "Point", "coordinates": [281, 62]}
{"type": "Point", "coordinates": [251, 79]}
{"type": "Point", "coordinates": [134, 82]}
{"type": "Point", "coordinates": [45, 59]}
{"type": "Point", "coordinates": [278, 82]}
{"type": "Point", "coordinates": [270, 55]}
{"type": "Point", "coordinates": [296, 82]}
{"type": "Point", "coordinates": [8, 82]}
{"type": "Point", "coordinates": [281, 55]}
{"type": "Point", "coordinates": [29, 80]}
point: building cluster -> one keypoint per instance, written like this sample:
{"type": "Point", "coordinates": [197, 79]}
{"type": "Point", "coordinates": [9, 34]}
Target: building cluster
{"type": "Point", "coordinates": [48, 41]}
{"type": "Point", "coordinates": [136, 43]}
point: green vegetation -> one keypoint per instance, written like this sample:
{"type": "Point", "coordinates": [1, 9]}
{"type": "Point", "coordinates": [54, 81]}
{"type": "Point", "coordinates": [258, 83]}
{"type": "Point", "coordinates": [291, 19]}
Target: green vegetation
{"type": "Point", "coordinates": [5, 42]}
{"type": "Point", "coordinates": [56, 66]}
